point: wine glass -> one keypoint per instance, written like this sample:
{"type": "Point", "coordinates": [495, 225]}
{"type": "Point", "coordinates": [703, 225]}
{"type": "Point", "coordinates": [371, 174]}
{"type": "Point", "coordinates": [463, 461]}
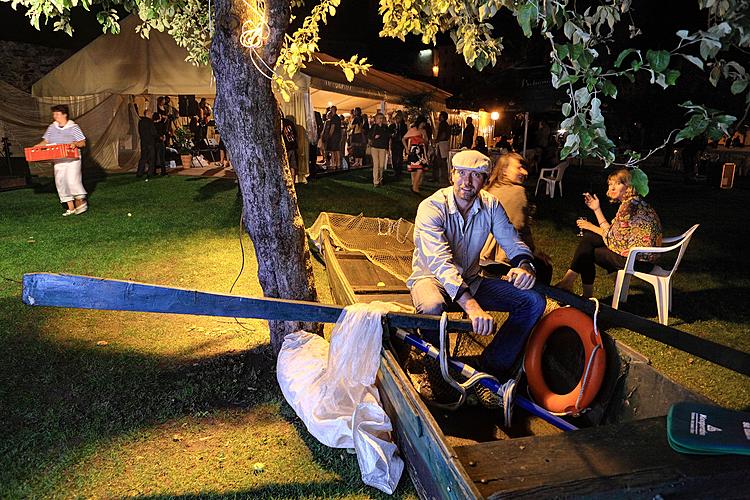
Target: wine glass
{"type": "Point", "coordinates": [580, 229]}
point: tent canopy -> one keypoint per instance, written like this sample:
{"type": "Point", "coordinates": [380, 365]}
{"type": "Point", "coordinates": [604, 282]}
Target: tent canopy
{"type": "Point", "coordinates": [129, 64]}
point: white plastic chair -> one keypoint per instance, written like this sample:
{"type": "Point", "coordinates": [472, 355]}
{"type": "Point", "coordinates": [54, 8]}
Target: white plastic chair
{"type": "Point", "coordinates": [660, 279]}
{"type": "Point", "coordinates": [552, 177]}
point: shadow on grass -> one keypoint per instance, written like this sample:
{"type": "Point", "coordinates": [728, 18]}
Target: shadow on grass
{"type": "Point", "coordinates": [215, 187]}
{"type": "Point", "coordinates": [724, 304]}
{"type": "Point", "coordinates": [61, 398]}
{"type": "Point", "coordinates": [329, 489]}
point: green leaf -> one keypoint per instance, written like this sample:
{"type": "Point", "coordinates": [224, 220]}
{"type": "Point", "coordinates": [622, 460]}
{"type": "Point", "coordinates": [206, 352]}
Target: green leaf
{"type": "Point", "coordinates": [694, 60]}
{"type": "Point", "coordinates": [738, 86]}
{"type": "Point", "coordinates": [582, 96]}
{"type": "Point", "coordinates": [562, 50]}
{"type": "Point", "coordinates": [625, 53]}
{"type": "Point", "coordinates": [609, 89]}
{"type": "Point", "coordinates": [525, 15]}
{"type": "Point", "coordinates": [713, 77]}
{"type": "Point", "coordinates": [671, 76]}
{"type": "Point", "coordinates": [658, 59]}
{"type": "Point", "coordinates": [568, 79]}
{"type": "Point", "coordinates": [567, 109]}
{"type": "Point", "coordinates": [569, 29]}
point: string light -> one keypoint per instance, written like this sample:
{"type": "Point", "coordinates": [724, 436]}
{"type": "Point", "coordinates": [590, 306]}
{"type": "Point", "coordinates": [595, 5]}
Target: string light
{"type": "Point", "coordinates": [254, 35]}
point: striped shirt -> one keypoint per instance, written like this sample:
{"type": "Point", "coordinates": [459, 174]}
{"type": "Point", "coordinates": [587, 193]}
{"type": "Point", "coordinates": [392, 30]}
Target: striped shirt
{"type": "Point", "coordinates": [67, 134]}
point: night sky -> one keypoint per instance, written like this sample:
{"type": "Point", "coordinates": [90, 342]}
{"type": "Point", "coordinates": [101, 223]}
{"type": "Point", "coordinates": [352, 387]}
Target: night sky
{"type": "Point", "coordinates": [355, 30]}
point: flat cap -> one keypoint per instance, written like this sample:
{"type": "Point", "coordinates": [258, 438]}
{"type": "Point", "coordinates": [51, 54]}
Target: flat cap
{"type": "Point", "coordinates": [471, 160]}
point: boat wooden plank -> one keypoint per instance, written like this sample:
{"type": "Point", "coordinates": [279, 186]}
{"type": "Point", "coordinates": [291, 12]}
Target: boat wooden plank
{"type": "Point", "coordinates": [364, 290]}
{"type": "Point", "coordinates": [631, 458]}
{"type": "Point", "coordinates": [432, 465]}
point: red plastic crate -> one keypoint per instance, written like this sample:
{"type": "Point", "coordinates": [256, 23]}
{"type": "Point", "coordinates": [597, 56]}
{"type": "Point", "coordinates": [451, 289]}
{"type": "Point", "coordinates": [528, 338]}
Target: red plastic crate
{"type": "Point", "coordinates": [52, 152]}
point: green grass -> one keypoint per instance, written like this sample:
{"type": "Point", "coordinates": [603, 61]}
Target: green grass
{"type": "Point", "coordinates": [185, 406]}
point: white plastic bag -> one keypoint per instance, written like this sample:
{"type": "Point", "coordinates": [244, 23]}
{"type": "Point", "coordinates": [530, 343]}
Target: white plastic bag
{"type": "Point", "coordinates": [331, 388]}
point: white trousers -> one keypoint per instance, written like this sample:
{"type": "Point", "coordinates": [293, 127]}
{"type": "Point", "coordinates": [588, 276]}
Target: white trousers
{"type": "Point", "coordinates": [379, 158]}
{"type": "Point", "coordinates": [68, 180]}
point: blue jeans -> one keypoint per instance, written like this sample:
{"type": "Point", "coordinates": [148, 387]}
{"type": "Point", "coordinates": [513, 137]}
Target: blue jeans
{"type": "Point", "coordinates": [525, 308]}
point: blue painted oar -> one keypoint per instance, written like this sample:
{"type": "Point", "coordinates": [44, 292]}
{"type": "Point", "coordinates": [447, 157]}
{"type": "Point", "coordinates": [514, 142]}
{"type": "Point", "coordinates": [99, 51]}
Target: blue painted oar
{"type": "Point", "coordinates": [85, 292]}
{"type": "Point", "coordinates": [491, 384]}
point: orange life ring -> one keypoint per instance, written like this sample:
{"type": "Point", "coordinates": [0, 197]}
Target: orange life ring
{"type": "Point", "coordinates": [583, 325]}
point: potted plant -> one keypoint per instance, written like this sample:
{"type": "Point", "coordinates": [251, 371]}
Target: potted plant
{"type": "Point", "coordinates": [183, 143]}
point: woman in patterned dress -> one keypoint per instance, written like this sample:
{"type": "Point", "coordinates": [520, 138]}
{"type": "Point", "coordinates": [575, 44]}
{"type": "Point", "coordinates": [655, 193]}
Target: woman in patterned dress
{"type": "Point", "coordinates": [415, 143]}
{"type": "Point", "coordinates": [608, 244]}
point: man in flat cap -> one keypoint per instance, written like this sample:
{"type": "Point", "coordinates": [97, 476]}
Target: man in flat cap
{"type": "Point", "coordinates": [450, 230]}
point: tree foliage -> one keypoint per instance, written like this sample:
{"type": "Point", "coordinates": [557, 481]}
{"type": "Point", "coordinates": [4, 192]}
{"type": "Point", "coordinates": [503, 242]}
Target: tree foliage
{"type": "Point", "coordinates": [580, 43]}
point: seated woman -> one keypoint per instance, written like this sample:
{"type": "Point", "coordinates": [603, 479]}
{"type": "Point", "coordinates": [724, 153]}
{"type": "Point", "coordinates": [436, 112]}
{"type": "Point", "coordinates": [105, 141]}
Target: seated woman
{"type": "Point", "coordinates": [635, 225]}
{"type": "Point", "coordinates": [506, 184]}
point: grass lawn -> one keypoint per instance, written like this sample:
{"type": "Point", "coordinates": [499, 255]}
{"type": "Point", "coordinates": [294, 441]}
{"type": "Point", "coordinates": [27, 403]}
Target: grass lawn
{"type": "Point", "coordinates": [109, 404]}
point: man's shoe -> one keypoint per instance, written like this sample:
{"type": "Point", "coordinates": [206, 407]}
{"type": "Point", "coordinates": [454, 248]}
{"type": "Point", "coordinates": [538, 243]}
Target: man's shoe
{"type": "Point", "coordinates": [435, 387]}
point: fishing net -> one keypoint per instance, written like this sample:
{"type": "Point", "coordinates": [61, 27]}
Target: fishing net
{"type": "Point", "coordinates": [387, 243]}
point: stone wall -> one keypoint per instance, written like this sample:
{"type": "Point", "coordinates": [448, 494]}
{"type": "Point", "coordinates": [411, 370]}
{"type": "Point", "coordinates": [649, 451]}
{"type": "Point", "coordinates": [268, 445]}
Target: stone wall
{"type": "Point", "coordinates": [25, 63]}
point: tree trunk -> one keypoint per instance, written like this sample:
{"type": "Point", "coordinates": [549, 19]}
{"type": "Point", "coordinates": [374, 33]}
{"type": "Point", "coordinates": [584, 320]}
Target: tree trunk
{"type": "Point", "coordinates": [249, 120]}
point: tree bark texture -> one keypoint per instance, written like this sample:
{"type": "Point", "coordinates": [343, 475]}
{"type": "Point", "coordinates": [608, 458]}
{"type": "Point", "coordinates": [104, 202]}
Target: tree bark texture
{"type": "Point", "coordinates": [249, 120]}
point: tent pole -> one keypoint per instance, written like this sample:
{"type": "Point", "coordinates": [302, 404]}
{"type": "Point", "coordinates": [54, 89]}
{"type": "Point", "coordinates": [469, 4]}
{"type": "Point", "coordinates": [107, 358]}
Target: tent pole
{"type": "Point", "coordinates": [525, 131]}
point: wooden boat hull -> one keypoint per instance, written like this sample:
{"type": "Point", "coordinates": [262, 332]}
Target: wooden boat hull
{"type": "Point", "coordinates": [626, 458]}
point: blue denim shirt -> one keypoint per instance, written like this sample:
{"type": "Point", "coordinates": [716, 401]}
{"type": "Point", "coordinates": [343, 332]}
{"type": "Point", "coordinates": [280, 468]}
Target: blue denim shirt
{"type": "Point", "coordinates": [447, 247]}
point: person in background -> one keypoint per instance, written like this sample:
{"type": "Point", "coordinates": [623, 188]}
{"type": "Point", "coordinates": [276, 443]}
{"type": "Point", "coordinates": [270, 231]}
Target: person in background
{"type": "Point", "coordinates": [467, 140]}
{"type": "Point", "coordinates": [415, 143]}
{"type": "Point", "coordinates": [204, 116]}
{"type": "Point", "coordinates": [442, 143]}
{"type": "Point", "coordinates": [398, 130]}
{"type": "Point", "coordinates": [357, 137]}
{"type": "Point", "coordinates": [380, 136]}
{"type": "Point", "coordinates": [160, 124]}
{"type": "Point", "coordinates": [481, 146]}
{"type": "Point", "coordinates": [289, 135]}
{"type": "Point", "coordinates": [148, 136]}
{"type": "Point", "coordinates": [68, 176]}
{"type": "Point", "coordinates": [506, 184]}
{"type": "Point", "coordinates": [636, 224]}
{"type": "Point", "coordinates": [333, 139]}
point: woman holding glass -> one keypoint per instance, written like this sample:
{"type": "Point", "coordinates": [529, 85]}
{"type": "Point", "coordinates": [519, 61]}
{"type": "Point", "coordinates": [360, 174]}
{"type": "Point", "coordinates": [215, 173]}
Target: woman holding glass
{"type": "Point", "coordinates": [636, 224]}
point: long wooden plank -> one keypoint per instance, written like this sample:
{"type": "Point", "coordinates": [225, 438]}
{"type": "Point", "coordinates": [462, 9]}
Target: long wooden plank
{"type": "Point", "coordinates": [710, 351]}
{"type": "Point", "coordinates": [632, 458]}
{"type": "Point", "coordinates": [84, 292]}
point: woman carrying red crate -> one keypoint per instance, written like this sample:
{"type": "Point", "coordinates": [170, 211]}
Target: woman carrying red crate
{"type": "Point", "coordinates": [68, 177]}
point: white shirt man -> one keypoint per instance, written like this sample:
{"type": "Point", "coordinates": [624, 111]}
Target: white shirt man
{"type": "Point", "coordinates": [450, 230]}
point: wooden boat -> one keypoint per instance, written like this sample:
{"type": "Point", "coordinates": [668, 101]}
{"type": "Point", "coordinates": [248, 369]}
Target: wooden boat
{"type": "Point", "coordinates": [621, 449]}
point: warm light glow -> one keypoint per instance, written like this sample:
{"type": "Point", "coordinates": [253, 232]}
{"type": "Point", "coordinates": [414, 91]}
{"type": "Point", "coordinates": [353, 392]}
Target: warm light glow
{"type": "Point", "coordinates": [495, 115]}
{"type": "Point", "coordinates": [435, 70]}
{"type": "Point", "coordinates": [330, 104]}
{"type": "Point", "coordinates": [561, 131]}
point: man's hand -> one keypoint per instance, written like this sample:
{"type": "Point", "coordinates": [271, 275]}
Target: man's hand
{"type": "Point", "coordinates": [522, 277]}
{"type": "Point", "coordinates": [481, 322]}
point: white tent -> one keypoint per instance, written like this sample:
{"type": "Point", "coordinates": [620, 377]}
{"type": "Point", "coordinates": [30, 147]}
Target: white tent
{"type": "Point", "coordinates": [113, 68]}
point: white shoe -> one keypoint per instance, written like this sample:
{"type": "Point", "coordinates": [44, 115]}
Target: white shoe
{"type": "Point", "coordinates": [79, 210]}
{"type": "Point", "coordinates": [69, 212]}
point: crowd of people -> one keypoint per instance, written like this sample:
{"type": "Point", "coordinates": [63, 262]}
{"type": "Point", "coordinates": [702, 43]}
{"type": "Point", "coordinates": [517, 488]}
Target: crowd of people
{"type": "Point", "coordinates": [352, 140]}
